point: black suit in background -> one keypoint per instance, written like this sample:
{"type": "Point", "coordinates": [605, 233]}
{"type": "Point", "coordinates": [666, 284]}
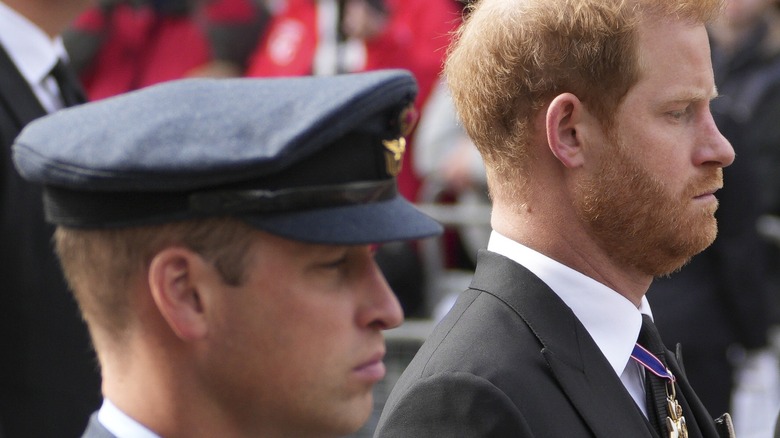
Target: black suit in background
{"type": "Point", "coordinates": [49, 381]}
{"type": "Point", "coordinates": [512, 360]}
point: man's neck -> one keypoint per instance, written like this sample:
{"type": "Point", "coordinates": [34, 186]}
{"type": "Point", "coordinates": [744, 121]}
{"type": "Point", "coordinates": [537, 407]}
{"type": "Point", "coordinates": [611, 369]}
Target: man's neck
{"type": "Point", "coordinates": [560, 239]}
{"type": "Point", "coordinates": [53, 17]}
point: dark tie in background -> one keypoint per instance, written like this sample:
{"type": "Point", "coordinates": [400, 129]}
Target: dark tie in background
{"type": "Point", "coordinates": [70, 89]}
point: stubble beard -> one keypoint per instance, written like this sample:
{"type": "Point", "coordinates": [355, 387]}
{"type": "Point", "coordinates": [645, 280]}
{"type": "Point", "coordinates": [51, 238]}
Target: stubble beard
{"type": "Point", "coordinates": [636, 219]}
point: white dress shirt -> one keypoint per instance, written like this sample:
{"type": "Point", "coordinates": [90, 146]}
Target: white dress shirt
{"type": "Point", "coordinates": [34, 54]}
{"type": "Point", "coordinates": [120, 424]}
{"type": "Point", "coordinates": [611, 319]}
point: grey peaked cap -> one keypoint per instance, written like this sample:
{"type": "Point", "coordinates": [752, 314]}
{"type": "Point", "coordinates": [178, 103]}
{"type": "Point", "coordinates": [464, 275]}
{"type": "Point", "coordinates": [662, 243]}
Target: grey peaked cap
{"type": "Point", "coordinates": [305, 158]}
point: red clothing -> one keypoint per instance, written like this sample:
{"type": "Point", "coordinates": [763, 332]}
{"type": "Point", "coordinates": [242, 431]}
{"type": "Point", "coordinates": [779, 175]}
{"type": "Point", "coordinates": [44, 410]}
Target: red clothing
{"type": "Point", "coordinates": [139, 47]}
{"type": "Point", "coordinates": [416, 39]}
{"type": "Point", "coordinates": [230, 11]}
{"type": "Point", "coordinates": [288, 45]}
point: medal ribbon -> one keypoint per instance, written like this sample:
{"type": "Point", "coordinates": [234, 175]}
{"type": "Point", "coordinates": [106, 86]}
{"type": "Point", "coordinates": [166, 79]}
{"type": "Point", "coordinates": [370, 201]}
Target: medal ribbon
{"type": "Point", "coordinates": [675, 421]}
{"type": "Point", "coordinates": [651, 363]}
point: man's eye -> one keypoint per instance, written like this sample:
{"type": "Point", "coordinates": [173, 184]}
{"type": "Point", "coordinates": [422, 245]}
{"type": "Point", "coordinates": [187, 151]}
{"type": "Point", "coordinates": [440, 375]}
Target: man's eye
{"type": "Point", "coordinates": [335, 264]}
{"type": "Point", "coordinates": [679, 114]}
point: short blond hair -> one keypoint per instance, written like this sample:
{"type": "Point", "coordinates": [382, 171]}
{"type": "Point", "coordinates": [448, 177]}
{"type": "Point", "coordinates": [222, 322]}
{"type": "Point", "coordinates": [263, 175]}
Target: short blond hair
{"type": "Point", "coordinates": [510, 58]}
{"type": "Point", "coordinates": [102, 265]}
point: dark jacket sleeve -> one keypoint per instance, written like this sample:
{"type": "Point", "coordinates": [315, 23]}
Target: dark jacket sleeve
{"type": "Point", "coordinates": [452, 405]}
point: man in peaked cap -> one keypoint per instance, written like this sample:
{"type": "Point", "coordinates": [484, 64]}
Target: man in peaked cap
{"type": "Point", "coordinates": [217, 235]}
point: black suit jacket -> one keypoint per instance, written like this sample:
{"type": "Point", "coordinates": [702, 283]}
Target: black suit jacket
{"type": "Point", "coordinates": [49, 383]}
{"type": "Point", "coordinates": [512, 360]}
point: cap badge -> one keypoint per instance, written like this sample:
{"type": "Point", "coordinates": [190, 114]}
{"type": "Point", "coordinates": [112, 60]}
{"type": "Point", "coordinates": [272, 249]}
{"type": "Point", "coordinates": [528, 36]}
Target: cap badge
{"type": "Point", "coordinates": [394, 154]}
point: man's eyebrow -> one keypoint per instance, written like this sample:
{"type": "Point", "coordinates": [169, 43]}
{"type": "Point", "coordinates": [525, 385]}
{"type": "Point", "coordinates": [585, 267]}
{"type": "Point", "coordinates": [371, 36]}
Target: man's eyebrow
{"type": "Point", "coordinates": [694, 96]}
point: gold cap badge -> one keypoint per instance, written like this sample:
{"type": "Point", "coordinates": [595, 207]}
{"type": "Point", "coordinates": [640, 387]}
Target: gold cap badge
{"type": "Point", "coordinates": [394, 155]}
{"type": "Point", "coordinates": [395, 149]}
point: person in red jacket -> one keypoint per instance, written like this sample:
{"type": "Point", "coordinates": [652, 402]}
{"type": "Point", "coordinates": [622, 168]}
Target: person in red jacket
{"type": "Point", "coordinates": [124, 45]}
{"type": "Point", "coordinates": [314, 37]}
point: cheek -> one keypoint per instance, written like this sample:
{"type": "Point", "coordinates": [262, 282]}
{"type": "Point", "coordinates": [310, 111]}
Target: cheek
{"type": "Point", "coordinates": [297, 348]}
{"type": "Point", "coordinates": [661, 157]}
{"type": "Point", "coordinates": [300, 327]}
{"type": "Point", "coordinates": [308, 328]}
{"type": "Point", "coordinates": [310, 355]}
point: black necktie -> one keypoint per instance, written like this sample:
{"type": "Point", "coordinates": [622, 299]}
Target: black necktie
{"type": "Point", "coordinates": [658, 389]}
{"type": "Point", "coordinates": [654, 385]}
{"type": "Point", "coordinates": [70, 90]}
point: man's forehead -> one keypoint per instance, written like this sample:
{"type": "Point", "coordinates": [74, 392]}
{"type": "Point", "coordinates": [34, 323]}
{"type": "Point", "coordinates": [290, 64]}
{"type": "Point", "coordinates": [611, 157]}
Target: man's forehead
{"type": "Point", "coordinates": [676, 54]}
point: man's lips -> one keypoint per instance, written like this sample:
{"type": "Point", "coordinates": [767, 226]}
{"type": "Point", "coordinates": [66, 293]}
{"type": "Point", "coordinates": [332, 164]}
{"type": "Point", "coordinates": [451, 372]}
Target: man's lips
{"type": "Point", "coordinates": [372, 369]}
{"type": "Point", "coordinates": [707, 193]}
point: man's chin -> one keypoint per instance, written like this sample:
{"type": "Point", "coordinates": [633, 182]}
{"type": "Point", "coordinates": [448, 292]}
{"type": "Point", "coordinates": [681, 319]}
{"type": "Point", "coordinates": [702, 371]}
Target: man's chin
{"type": "Point", "coordinates": [681, 254]}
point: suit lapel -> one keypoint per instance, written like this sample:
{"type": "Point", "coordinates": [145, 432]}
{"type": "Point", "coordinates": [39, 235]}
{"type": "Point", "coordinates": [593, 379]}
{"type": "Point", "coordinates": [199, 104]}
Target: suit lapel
{"type": "Point", "coordinates": [583, 372]}
{"type": "Point", "coordinates": [16, 96]}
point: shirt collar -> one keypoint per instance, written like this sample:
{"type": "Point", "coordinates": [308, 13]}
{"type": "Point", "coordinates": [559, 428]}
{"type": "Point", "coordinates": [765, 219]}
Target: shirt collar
{"type": "Point", "coordinates": [120, 424]}
{"type": "Point", "coordinates": [611, 320]}
{"type": "Point", "coordinates": [31, 50]}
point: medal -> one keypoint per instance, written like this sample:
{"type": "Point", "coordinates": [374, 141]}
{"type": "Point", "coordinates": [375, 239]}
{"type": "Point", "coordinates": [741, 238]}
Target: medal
{"type": "Point", "coordinates": [675, 422]}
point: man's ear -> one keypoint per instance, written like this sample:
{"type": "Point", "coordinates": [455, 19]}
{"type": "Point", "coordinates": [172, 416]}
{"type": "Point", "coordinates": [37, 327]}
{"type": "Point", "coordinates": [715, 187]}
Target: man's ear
{"type": "Point", "coordinates": [173, 280]}
{"type": "Point", "coordinates": [565, 114]}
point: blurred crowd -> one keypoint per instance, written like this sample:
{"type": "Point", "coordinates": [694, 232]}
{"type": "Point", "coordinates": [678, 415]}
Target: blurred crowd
{"type": "Point", "coordinates": [724, 307]}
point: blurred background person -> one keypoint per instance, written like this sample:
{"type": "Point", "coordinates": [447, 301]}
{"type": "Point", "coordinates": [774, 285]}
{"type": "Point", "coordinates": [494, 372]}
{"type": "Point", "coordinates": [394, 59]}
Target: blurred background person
{"type": "Point", "coordinates": [124, 45]}
{"type": "Point", "coordinates": [48, 377]}
{"type": "Point", "coordinates": [454, 190]}
{"type": "Point", "coordinates": [232, 27]}
{"type": "Point", "coordinates": [320, 37]}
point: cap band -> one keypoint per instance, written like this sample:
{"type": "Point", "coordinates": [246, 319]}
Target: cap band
{"type": "Point", "coordinates": [110, 209]}
{"type": "Point", "coordinates": [302, 198]}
